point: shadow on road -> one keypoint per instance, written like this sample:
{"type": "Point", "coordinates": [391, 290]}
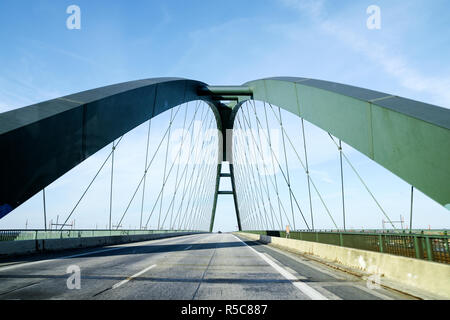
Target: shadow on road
{"type": "Point", "coordinates": [133, 249]}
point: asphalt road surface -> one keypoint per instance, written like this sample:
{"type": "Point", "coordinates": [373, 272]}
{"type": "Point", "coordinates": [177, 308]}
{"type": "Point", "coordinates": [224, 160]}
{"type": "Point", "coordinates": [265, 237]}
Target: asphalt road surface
{"type": "Point", "coordinates": [196, 267]}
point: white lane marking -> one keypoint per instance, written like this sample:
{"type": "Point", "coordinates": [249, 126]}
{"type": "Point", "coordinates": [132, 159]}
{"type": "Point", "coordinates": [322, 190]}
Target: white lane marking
{"type": "Point", "coordinates": [124, 246]}
{"type": "Point", "coordinates": [132, 277]}
{"type": "Point", "coordinates": [188, 248]}
{"type": "Point", "coordinates": [325, 292]}
{"type": "Point", "coordinates": [303, 287]}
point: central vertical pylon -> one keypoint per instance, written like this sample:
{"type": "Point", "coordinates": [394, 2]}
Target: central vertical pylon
{"type": "Point", "coordinates": [226, 114]}
{"type": "Point", "coordinates": [225, 155]}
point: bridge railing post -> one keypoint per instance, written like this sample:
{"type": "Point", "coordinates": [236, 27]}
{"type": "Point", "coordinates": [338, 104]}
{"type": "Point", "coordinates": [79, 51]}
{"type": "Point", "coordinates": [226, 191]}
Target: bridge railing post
{"type": "Point", "coordinates": [416, 247]}
{"type": "Point", "coordinates": [419, 247]}
{"type": "Point", "coordinates": [429, 248]}
{"type": "Point", "coordinates": [381, 245]}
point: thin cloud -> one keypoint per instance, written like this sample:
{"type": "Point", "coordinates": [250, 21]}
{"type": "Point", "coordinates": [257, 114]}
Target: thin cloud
{"type": "Point", "coordinates": [323, 176]}
{"type": "Point", "coordinates": [395, 65]}
{"type": "Point", "coordinates": [313, 8]}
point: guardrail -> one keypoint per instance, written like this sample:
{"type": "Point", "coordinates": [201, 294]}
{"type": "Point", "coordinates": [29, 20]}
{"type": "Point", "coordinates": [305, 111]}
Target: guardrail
{"type": "Point", "coordinates": [18, 235]}
{"type": "Point", "coordinates": [433, 232]}
{"type": "Point", "coordinates": [420, 246]}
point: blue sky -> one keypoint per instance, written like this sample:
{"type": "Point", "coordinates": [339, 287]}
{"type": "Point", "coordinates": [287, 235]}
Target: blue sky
{"type": "Point", "coordinates": [225, 42]}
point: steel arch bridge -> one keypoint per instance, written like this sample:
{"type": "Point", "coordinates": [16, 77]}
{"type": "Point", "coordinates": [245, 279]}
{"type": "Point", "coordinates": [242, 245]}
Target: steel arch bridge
{"type": "Point", "coordinates": [42, 142]}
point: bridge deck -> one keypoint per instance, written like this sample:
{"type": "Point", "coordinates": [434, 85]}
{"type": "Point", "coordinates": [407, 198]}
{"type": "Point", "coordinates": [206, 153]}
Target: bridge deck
{"type": "Point", "coordinates": [206, 266]}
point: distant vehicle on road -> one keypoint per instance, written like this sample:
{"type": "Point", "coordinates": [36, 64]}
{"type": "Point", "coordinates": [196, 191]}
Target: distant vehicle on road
{"type": "Point", "coordinates": [219, 232]}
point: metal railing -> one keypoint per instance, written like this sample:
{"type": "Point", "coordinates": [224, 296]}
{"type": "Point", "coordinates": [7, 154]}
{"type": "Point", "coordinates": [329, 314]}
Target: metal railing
{"type": "Point", "coordinates": [18, 235]}
{"type": "Point", "coordinates": [420, 246]}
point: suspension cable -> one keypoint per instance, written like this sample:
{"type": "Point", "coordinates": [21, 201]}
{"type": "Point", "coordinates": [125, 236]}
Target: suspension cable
{"type": "Point", "coordinates": [177, 184]}
{"type": "Point", "coordinates": [342, 183]}
{"type": "Point", "coordinates": [310, 178]}
{"type": "Point", "coordinates": [193, 215]}
{"type": "Point", "coordinates": [362, 181]}
{"type": "Point", "coordinates": [287, 166]}
{"type": "Point", "coordinates": [185, 188]}
{"type": "Point", "coordinates": [145, 172]}
{"type": "Point", "coordinates": [178, 167]}
{"type": "Point", "coordinates": [265, 171]}
{"type": "Point", "coordinates": [283, 174]}
{"type": "Point", "coordinates": [168, 175]}
{"type": "Point", "coordinates": [190, 189]}
{"type": "Point", "coordinates": [254, 159]}
{"type": "Point", "coordinates": [148, 167]}
{"type": "Point", "coordinates": [111, 187]}
{"type": "Point", "coordinates": [90, 184]}
{"type": "Point", "coordinates": [165, 167]}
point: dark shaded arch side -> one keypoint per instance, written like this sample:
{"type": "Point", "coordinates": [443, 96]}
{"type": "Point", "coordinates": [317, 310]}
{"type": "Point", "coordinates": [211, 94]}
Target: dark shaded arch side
{"type": "Point", "coordinates": [42, 142]}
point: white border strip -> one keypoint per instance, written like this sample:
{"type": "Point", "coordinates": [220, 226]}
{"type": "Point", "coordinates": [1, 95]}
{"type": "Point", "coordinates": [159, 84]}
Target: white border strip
{"type": "Point", "coordinates": [132, 277]}
{"type": "Point", "coordinates": [303, 287]}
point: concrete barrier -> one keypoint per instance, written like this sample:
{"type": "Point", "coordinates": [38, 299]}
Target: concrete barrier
{"type": "Point", "coordinates": [26, 247]}
{"type": "Point", "coordinates": [7, 248]}
{"type": "Point", "coordinates": [427, 279]}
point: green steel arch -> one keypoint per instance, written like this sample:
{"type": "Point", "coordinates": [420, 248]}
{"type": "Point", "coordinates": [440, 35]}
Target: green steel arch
{"type": "Point", "coordinates": [41, 142]}
{"type": "Point", "coordinates": [409, 138]}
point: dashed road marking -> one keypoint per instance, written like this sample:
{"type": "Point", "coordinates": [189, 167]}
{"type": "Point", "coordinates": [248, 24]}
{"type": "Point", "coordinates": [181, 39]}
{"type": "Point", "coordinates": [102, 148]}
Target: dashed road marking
{"type": "Point", "coordinates": [132, 277]}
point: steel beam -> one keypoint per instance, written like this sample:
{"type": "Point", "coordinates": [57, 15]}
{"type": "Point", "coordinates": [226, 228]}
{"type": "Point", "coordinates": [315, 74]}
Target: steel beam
{"type": "Point", "coordinates": [42, 142]}
{"type": "Point", "coordinates": [409, 138]}
{"type": "Point", "coordinates": [226, 91]}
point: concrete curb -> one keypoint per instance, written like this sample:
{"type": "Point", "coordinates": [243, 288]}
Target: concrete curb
{"type": "Point", "coordinates": [429, 278]}
{"type": "Point", "coordinates": [26, 247]}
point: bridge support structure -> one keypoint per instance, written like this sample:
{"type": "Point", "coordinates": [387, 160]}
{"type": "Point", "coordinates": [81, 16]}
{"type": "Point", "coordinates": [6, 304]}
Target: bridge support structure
{"type": "Point", "coordinates": [42, 142]}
